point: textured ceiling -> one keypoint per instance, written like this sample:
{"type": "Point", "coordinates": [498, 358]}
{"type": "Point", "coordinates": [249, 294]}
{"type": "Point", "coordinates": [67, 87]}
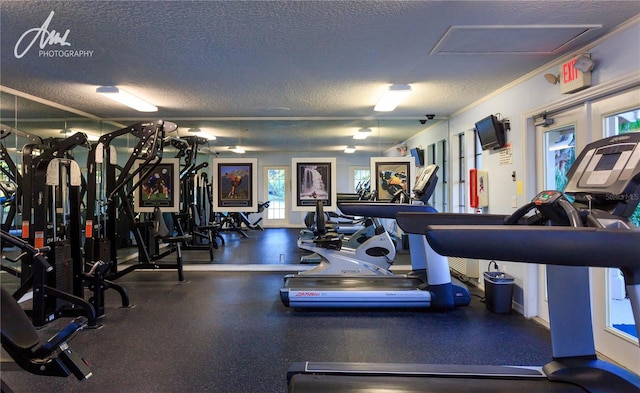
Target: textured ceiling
{"type": "Point", "coordinates": [291, 75]}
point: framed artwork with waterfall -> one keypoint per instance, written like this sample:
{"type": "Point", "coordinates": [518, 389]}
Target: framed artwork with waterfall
{"type": "Point", "coordinates": [315, 179]}
{"type": "Point", "coordinates": [393, 177]}
{"type": "Point", "coordinates": [236, 185]}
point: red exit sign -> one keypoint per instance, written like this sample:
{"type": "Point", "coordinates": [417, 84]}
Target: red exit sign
{"type": "Point", "coordinates": [572, 79]}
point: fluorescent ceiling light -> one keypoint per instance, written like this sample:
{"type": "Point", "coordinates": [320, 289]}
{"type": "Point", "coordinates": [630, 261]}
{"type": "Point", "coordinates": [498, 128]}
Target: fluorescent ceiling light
{"type": "Point", "coordinates": [202, 134]}
{"type": "Point", "coordinates": [236, 149]}
{"type": "Point", "coordinates": [207, 136]}
{"type": "Point", "coordinates": [362, 133]}
{"type": "Point", "coordinates": [392, 97]}
{"type": "Point", "coordinates": [350, 149]}
{"type": "Point", "coordinates": [125, 98]}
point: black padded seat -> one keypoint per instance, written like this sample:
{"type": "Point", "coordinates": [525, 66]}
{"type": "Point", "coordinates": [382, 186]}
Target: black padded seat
{"type": "Point", "coordinates": [21, 341]}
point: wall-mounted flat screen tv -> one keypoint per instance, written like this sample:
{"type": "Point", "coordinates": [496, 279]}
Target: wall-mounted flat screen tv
{"type": "Point", "coordinates": [491, 133]}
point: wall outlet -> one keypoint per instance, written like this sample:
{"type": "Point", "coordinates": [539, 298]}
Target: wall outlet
{"type": "Point", "coordinates": [514, 201]}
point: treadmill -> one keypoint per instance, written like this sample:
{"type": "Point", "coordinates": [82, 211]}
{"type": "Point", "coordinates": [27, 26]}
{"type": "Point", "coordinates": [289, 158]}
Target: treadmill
{"type": "Point", "coordinates": [429, 284]}
{"type": "Point", "coordinates": [593, 230]}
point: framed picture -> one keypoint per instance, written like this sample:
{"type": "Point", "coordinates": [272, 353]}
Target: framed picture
{"type": "Point", "coordinates": [391, 175]}
{"type": "Point", "coordinates": [314, 179]}
{"type": "Point", "coordinates": [159, 187]}
{"type": "Point", "coordinates": [236, 185]}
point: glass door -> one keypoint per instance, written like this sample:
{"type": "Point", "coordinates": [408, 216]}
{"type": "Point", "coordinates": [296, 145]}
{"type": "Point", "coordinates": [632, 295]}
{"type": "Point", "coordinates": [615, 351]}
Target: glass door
{"type": "Point", "coordinates": [556, 146]}
{"type": "Point", "coordinates": [615, 332]}
{"type": "Point", "coordinates": [277, 188]}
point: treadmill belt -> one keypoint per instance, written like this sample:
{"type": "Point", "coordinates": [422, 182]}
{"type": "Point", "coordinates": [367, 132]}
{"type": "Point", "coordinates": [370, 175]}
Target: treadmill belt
{"type": "Point", "coordinates": [345, 283]}
{"type": "Point", "coordinates": [309, 383]}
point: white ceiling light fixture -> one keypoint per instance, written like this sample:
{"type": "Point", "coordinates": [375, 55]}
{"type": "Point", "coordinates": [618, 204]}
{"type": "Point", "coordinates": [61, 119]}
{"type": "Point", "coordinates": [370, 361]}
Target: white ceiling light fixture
{"type": "Point", "coordinates": [203, 134]}
{"type": "Point", "coordinates": [207, 136]}
{"type": "Point", "coordinates": [126, 98]}
{"type": "Point", "coordinates": [392, 98]}
{"type": "Point", "coordinates": [236, 149]}
{"type": "Point", "coordinates": [362, 133]}
{"type": "Point", "coordinates": [350, 149]}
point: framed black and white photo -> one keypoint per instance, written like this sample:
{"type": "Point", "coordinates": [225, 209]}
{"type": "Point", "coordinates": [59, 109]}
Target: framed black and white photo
{"type": "Point", "coordinates": [314, 180]}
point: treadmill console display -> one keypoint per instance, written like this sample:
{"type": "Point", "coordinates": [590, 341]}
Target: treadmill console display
{"type": "Point", "coordinates": [607, 167]}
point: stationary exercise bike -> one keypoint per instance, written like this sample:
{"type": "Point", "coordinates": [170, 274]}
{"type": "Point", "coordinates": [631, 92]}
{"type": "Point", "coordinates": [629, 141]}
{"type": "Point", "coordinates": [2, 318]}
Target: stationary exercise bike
{"type": "Point", "coordinates": [373, 256]}
{"type": "Point", "coordinates": [366, 230]}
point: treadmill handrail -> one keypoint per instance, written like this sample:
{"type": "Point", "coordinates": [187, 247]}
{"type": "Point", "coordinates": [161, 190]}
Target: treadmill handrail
{"type": "Point", "coordinates": [553, 245]}
{"type": "Point", "coordinates": [416, 222]}
{"type": "Point", "coordinates": [382, 209]}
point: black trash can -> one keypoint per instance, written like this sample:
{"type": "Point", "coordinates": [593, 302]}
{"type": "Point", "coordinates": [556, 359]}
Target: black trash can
{"type": "Point", "coordinates": [498, 291]}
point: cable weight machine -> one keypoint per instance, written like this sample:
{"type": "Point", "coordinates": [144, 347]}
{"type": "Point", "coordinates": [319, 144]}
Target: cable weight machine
{"type": "Point", "coordinates": [115, 187]}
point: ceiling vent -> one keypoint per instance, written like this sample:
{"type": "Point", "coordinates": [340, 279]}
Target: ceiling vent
{"type": "Point", "coordinates": [505, 39]}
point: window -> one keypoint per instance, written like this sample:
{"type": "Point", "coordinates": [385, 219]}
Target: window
{"type": "Point", "coordinates": [462, 174]}
{"type": "Point", "coordinates": [361, 177]}
{"type": "Point", "coordinates": [442, 163]}
{"type": "Point", "coordinates": [437, 154]}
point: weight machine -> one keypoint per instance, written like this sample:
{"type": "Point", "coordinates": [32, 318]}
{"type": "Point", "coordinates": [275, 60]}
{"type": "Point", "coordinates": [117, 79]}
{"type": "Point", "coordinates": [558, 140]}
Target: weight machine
{"type": "Point", "coordinates": [191, 218]}
{"type": "Point", "coordinates": [113, 189]}
{"type": "Point", "coordinates": [51, 217]}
